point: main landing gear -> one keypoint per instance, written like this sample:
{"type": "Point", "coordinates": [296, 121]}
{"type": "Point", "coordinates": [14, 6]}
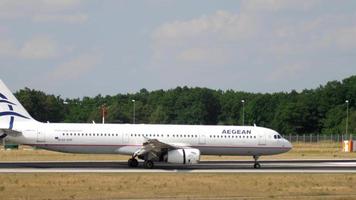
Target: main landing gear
{"type": "Point", "coordinates": [133, 163]}
{"type": "Point", "coordinates": [257, 164]}
{"type": "Point", "coordinates": [148, 164]}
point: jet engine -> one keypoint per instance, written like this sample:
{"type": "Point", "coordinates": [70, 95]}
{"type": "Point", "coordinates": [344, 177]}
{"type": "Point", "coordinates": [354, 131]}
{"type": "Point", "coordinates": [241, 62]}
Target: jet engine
{"type": "Point", "coordinates": [2, 134]}
{"type": "Point", "coordinates": [183, 156]}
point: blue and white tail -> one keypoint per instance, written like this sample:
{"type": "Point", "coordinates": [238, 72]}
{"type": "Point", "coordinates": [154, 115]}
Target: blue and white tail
{"type": "Point", "coordinates": [11, 110]}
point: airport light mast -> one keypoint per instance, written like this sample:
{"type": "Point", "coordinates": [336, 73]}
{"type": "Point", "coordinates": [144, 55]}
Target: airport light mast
{"type": "Point", "coordinates": [104, 112]}
{"type": "Point", "coordinates": [243, 112]}
{"type": "Point", "coordinates": [347, 118]}
{"type": "Point", "coordinates": [133, 112]}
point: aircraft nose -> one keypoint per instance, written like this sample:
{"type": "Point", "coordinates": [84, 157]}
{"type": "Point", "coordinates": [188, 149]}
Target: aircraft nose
{"type": "Point", "coordinates": [288, 145]}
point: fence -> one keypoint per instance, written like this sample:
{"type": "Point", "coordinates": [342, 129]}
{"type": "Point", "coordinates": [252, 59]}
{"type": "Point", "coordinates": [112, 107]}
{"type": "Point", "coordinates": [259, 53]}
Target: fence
{"type": "Point", "coordinates": [313, 138]}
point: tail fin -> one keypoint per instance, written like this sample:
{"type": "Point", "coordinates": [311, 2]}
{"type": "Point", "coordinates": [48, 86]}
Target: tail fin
{"type": "Point", "coordinates": [11, 110]}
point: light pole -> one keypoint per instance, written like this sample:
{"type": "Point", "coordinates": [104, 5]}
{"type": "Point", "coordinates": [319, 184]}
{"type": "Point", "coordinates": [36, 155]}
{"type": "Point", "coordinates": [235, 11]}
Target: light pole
{"type": "Point", "coordinates": [103, 113]}
{"type": "Point", "coordinates": [243, 112]}
{"type": "Point", "coordinates": [133, 112]}
{"type": "Point", "coordinates": [347, 117]}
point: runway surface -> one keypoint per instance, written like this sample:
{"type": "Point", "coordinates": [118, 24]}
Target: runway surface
{"type": "Point", "coordinates": [268, 166]}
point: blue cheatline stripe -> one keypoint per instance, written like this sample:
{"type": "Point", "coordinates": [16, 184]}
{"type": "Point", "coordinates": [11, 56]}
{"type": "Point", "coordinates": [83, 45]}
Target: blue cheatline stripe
{"type": "Point", "coordinates": [10, 107]}
{"type": "Point", "coordinates": [3, 96]}
{"type": "Point", "coordinates": [6, 101]}
{"type": "Point", "coordinates": [11, 122]}
{"type": "Point", "coordinates": [13, 114]}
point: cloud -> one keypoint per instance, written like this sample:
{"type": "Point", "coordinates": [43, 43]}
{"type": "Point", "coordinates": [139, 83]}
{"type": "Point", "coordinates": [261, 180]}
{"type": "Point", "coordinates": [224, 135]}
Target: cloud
{"type": "Point", "coordinates": [39, 48]}
{"type": "Point", "coordinates": [76, 67]}
{"type": "Point", "coordinates": [69, 18]}
{"type": "Point", "coordinates": [220, 25]}
{"type": "Point", "coordinates": [7, 48]}
{"type": "Point", "coordinates": [36, 48]}
{"type": "Point", "coordinates": [257, 38]}
{"type": "Point", "coordinates": [203, 40]}
{"type": "Point", "coordinates": [280, 52]}
{"type": "Point", "coordinates": [278, 5]}
{"type": "Point", "coordinates": [342, 38]}
{"type": "Point", "coordinates": [202, 55]}
{"type": "Point", "coordinates": [42, 10]}
{"type": "Point", "coordinates": [288, 72]}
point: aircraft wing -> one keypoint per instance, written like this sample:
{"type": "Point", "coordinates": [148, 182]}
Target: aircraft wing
{"type": "Point", "coordinates": [154, 146]}
{"type": "Point", "coordinates": [5, 132]}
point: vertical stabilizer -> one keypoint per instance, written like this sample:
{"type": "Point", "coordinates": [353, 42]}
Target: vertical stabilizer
{"type": "Point", "coordinates": [11, 110]}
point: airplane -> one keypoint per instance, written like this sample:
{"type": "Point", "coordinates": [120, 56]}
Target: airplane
{"type": "Point", "coordinates": [174, 144]}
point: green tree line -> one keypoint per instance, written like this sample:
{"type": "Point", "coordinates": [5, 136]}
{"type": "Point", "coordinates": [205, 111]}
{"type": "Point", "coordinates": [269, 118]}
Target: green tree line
{"type": "Point", "coordinates": [321, 110]}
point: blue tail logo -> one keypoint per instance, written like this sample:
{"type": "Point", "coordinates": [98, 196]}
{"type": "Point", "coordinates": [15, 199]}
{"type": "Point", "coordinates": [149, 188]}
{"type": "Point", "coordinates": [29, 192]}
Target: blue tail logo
{"type": "Point", "coordinates": [11, 112]}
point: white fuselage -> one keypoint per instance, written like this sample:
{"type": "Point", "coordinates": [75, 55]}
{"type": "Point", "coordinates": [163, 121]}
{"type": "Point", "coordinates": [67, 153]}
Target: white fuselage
{"type": "Point", "coordinates": [128, 138]}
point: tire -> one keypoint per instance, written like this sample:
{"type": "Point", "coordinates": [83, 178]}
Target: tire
{"type": "Point", "coordinates": [257, 166]}
{"type": "Point", "coordinates": [132, 162]}
{"type": "Point", "coordinates": [148, 164]}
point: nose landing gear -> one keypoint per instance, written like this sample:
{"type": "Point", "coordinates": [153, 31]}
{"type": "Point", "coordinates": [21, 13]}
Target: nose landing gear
{"type": "Point", "coordinates": [257, 164]}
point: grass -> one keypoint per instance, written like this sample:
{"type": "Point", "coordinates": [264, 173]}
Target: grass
{"type": "Point", "coordinates": [323, 150]}
{"type": "Point", "coordinates": [176, 186]}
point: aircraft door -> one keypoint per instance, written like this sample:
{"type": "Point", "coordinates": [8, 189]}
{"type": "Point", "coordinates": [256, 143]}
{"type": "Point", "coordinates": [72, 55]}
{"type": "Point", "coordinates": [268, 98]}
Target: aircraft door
{"type": "Point", "coordinates": [126, 138]}
{"type": "Point", "coordinates": [261, 139]}
{"type": "Point", "coordinates": [41, 136]}
{"type": "Point", "coordinates": [202, 139]}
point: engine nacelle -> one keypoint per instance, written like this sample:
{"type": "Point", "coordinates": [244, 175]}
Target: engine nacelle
{"type": "Point", "coordinates": [183, 156]}
{"type": "Point", "coordinates": [2, 134]}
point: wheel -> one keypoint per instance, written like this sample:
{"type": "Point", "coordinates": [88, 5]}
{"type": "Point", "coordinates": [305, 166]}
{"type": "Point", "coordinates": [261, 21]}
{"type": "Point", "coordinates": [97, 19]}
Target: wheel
{"type": "Point", "coordinates": [148, 164]}
{"type": "Point", "coordinates": [132, 162]}
{"type": "Point", "coordinates": [257, 166]}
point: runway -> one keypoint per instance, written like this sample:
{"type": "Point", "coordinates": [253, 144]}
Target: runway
{"type": "Point", "coordinates": [268, 166]}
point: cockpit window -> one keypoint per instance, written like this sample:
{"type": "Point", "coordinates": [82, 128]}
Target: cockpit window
{"type": "Point", "coordinates": [277, 137]}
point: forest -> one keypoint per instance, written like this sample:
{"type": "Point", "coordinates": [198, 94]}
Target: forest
{"type": "Point", "coordinates": [312, 111]}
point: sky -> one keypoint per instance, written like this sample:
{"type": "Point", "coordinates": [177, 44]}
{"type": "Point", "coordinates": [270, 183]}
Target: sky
{"type": "Point", "coordinates": [75, 48]}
